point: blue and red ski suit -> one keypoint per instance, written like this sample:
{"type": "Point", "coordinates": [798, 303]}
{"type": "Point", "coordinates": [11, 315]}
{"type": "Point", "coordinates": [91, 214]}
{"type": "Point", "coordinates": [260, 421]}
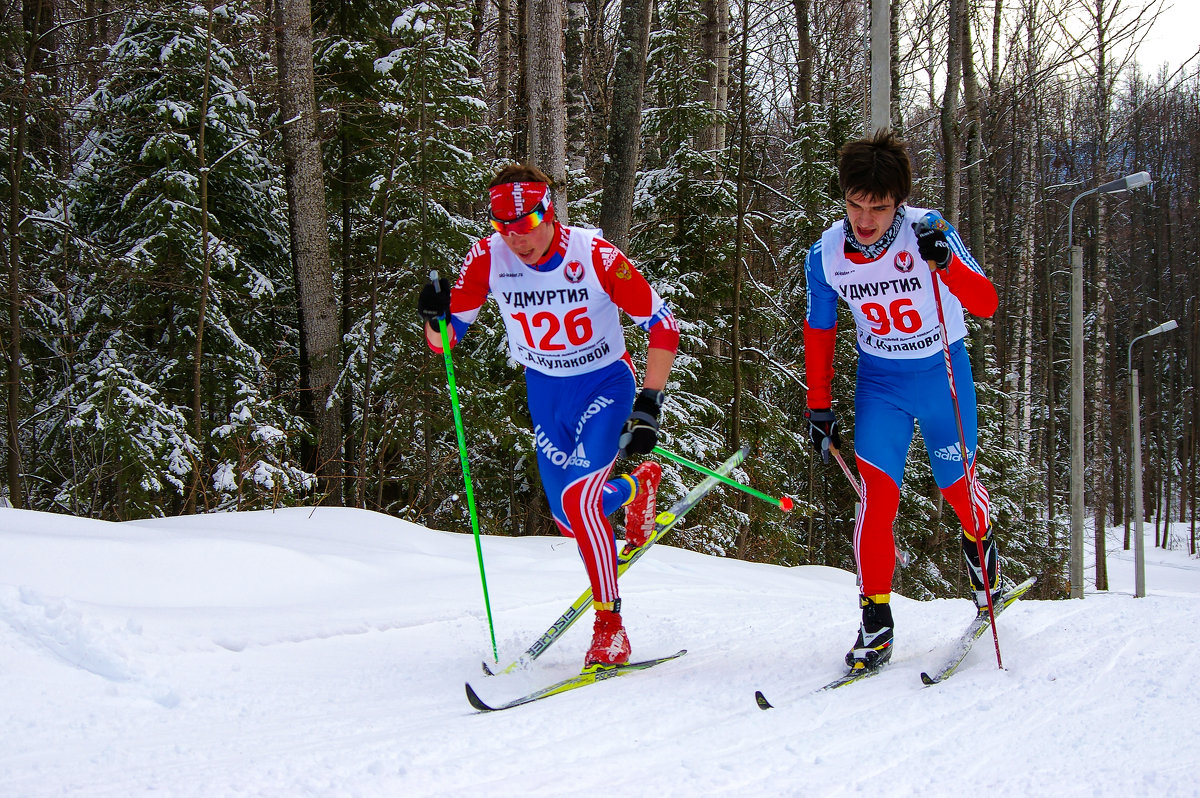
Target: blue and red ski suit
{"type": "Point", "coordinates": [901, 376]}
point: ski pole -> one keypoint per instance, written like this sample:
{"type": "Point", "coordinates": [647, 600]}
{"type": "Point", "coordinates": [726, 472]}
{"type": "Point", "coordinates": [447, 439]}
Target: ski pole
{"type": "Point", "coordinates": [462, 456]}
{"type": "Point", "coordinates": [846, 470]}
{"type": "Point", "coordinates": [785, 503]}
{"type": "Point", "coordinates": [968, 472]}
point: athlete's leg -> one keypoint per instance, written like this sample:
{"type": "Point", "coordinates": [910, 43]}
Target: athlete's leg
{"type": "Point", "coordinates": [939, 428]}
{"type": "Point", "coordinates": [882, 433]}
{"type": "Point", "coordinates": [968, 497]}
{"type": "Point", "coordinates": [577, 423]}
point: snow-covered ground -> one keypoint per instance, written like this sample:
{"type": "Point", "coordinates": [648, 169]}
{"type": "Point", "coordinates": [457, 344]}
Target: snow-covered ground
{"type": "Point", "coordinates": [323, 653]}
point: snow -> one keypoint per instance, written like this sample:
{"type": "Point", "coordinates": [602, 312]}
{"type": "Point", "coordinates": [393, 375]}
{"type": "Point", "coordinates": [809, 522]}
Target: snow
{"type": "Point", "coordinates": [323, 653]}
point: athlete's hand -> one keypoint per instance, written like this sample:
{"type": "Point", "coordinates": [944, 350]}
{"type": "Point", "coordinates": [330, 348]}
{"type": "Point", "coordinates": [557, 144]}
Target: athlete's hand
{"type": "Point", "coordinates": [434, 301]}
{"type": "Point", "coordinates": [933, 246]}
{"type": "Point", "coordinates": [823, 429]}
{"type": "Point", "coordinates": [640, 433]}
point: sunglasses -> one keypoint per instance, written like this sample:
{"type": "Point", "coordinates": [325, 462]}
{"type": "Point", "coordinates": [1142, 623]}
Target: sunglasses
{"type": "Point", "coordinates": [525, 223]}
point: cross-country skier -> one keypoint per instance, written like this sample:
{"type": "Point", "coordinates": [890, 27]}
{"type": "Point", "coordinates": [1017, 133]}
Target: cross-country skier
{"type": "Point", "coordinates": [875, 259]}
{"type": "Point", "coordinates": [560, 290]}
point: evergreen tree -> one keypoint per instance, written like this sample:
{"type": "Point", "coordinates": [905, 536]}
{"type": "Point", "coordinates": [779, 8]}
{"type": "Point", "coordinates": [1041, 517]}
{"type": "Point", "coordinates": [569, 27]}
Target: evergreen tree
{"type": "Point", "coordinates": [136, 194]}
{"type": "Point", "coordinates": [427, 116]}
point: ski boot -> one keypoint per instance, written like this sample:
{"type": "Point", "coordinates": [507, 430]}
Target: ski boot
{"type": "Point", "coordinates": [873, 648]}
{"type": "Point", "coordinates": [610, 644]}
{"type": "Point", "coordinates": [975, 572]}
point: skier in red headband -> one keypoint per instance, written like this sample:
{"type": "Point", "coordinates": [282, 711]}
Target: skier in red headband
{"type": "Point", "coordinates": [560, 290]}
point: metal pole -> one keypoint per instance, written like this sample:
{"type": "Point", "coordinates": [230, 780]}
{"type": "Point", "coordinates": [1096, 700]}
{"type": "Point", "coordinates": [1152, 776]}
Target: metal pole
{"type": "Point", "coordinates": [1139, 548]}
{"type": "Point", "coordinates": [1136, 180]}
{"type": "Point", "coordinates": [1135, 420]}
{"type": "Point", "coordinates": [1077, 461]}
{"type": "Point", "coordinates": [881, 72]}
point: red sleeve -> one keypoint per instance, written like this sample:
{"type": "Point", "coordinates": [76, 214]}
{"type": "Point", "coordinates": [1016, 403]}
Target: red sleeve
{"type": "Point", "coordinates": [974, 290]}
{"type": "Point", "coordinates": [818, 365]}
{"type": "Point", "coordinates": [631, 292]}
{"type": "Point", "coordinates": [621, 279]}
{"type": "Point", "coordinates": [664, 334]}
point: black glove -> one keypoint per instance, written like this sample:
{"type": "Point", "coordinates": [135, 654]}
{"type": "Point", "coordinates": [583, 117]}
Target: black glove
{"type": "Point", "coordinates": [434, 302]}
{"type": "Point", "coordinates": [823, 429]}
{"type": "Point", "coordinates": [640, 433]}
{"type": "Point", "coordinates": [933, 246]}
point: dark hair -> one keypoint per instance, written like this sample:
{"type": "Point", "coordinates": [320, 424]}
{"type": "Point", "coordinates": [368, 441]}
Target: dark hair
{"type": "Point", "coordinates": [876, 167]}
{"type": "Point", "coordinates": [520, 173]}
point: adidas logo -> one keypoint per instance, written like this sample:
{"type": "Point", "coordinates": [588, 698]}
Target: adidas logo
{"type": "Point", "coordinates": [950, 453]}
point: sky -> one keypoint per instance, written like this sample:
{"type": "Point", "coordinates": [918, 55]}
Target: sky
{"type": "Point", "coordinates": [1175, 36]}
{"type": "Point", "coordinates": [324, 653]}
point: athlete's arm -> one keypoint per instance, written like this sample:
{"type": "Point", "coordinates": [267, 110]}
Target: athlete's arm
{"type": "Point", "coordinates": [631, 292]}
{"type": "Point", "coordinates": [467, 296]}
{"type": "Point", "coordinates": [820, 331]}
{"type": "Point", "coordinates": [973, 289]}
{"type": "Point", "coordinates": [965, 278]}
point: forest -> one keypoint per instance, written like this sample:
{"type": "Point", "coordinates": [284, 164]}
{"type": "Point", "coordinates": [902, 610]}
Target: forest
{"type": "Point", "coordinates": [219, 216]}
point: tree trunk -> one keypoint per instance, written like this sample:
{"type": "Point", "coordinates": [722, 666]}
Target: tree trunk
{"type": "Point", "coordinates": [202, 310]}
{"type": "Point", "coordinates": [949, 114]}
{"type": "Point", "coordinates": [804, 59]}
{"type": "Point", "coordinates": [976, 222]}
{"type": "Point", "coordinates": [625, 122]}
{"type": "Point", "coordinates": [740, 250]}
{"type": "Point", "coordinates": [896, 82]}
{"type": "Point", "coordinates": [309, 233]}
{"type": "Point", "coordinates": [545, 102]}
{"type": "Point", "coordinates": [33, 19]}
{"type": "Point", "coordinates": [503, 70]}
{"type": "Point", "coordinates": [714, 86]}
{"type": "Point", "coordinates": [577, 119]}
{"type": "Point", "coordinates": [1099, 409]}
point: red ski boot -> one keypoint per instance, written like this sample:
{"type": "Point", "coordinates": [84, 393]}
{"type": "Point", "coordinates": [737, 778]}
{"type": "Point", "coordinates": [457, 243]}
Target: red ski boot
{"type": "Point", "coordinates": [640, 512]}
{"type": "Point", "coordinates": [610, 644]}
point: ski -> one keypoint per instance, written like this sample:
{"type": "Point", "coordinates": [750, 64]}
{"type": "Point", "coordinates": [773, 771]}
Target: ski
{"type": "Point", "coordinates": [583, 679]}
{"type": "Point", "coordinates": [978, 626]}
{"type": "Point", "coordinates": [849, 677]}
{"type": "Point", "coordinates": [664, 522]}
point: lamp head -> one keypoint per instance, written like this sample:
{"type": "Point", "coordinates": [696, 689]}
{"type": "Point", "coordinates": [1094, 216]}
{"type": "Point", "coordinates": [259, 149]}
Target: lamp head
{"type": "Point", "coordinates": [1135, 180]}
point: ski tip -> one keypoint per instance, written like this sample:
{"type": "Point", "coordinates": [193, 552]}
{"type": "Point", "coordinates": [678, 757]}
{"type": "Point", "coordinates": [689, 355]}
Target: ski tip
{"type": "Point", "coordinates": [762, 701]}
{"type": "Point", "coordinates": [927, 680]}
{"type": "Point", "coordinates": [487, 671]}
{"type": "Point", "coordinates": [475, 700]}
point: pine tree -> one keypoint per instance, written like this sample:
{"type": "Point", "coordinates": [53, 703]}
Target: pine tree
{"type": "Point", "coordinates": [136, 195]}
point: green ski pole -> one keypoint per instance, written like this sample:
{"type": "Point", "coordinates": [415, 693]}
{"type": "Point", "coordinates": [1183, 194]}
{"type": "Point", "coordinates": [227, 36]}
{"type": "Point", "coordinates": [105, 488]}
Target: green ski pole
{"type": "Point", "coordinates": [462, 456]}
{"type": "Point", "coordinates": [785, 503]}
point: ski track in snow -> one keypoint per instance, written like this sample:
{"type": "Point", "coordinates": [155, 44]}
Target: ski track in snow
{"type": "Point", "coordinates": [323, 653]}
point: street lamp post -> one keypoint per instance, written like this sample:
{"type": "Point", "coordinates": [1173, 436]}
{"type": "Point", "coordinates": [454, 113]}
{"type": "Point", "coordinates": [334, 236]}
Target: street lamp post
{"type": "Point", "coordinates": [1136, 180]}
{"type": "Point", "coordinates": [1135, 422]}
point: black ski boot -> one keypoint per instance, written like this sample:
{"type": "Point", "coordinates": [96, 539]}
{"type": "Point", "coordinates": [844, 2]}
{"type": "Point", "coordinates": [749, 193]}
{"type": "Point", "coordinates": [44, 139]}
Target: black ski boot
{"type": "Point", "coordinates": [975, 573]}
{"type": "Point", "coordinates": [873, 648]}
